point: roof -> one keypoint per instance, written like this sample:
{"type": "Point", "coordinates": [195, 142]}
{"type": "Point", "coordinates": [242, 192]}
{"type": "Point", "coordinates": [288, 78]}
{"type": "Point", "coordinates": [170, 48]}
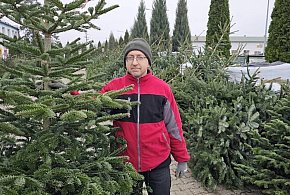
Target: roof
{"type": "Point", "coordinates": [9, 25]}
{"type": "Point", "coordinates": [239, 39]}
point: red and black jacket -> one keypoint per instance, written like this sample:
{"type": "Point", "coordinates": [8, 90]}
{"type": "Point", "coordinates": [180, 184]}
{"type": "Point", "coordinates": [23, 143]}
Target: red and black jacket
{"type": "Point", "coordinates": [154, 129]}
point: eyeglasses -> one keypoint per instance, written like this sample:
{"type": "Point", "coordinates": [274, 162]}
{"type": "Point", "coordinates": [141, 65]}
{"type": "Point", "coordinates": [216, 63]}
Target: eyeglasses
{"type": "Point", "coordinates": [132, 58]}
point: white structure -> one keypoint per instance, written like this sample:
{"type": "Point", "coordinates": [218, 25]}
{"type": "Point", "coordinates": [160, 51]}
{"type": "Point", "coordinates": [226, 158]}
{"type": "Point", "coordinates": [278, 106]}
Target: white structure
{"type": "Point", "coordinates": [251, 45]}
{"type": "Point", "coordinates": [9, 30]}
{"type": "Point", "coordinates": [271, 73]}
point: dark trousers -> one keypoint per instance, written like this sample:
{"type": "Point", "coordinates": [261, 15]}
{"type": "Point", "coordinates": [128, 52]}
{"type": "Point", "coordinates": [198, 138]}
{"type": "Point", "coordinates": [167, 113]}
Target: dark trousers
{"type": "Point", "coordinates": [158, 180]}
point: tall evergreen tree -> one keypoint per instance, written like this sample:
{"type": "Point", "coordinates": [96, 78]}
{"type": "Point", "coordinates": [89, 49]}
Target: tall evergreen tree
{"type": "Point", "coordinates": [140, 25]}
{"type": "Point", "coordinates": [159, 26]}
{"type": "Point", "coordinates": [106, 46]}
{"type": "Point", "coordinates": [121, 41]}
{"type": "Point", "coordinates": [52, 141]}
{"type": "Point", "coordinates": [126, 37]}
{"type": "Point", "coordinates": [278, 46]}
{"type": "Point", "coordinates": [112, 41]}
{"type": "Point", "coordinates": [218, 28]}
{"type": "Point", "coordinates": [181, 32]}
{"type": "Point", "coordinates": [99, 46]}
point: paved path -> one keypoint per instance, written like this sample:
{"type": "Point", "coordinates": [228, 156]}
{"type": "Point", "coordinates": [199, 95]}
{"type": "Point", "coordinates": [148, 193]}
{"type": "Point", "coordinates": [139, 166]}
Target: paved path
{"type": "Point", "coordinates": [188, 186]}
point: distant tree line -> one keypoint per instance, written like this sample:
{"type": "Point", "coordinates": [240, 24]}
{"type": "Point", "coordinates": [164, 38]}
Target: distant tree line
{"type": "Point", "coordinates": [218, 29]}
{"type": "Point", "coordinates": [217, 34]}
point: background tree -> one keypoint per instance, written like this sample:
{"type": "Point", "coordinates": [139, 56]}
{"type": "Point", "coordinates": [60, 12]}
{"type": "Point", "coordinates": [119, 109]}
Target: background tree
{"type": "Point", "coordinates": [99, 46]}
{"type": "Point", "coordinates": [106, 45]}
{"type": "Point", "coordinates": [181, 33]}
{"type": "Point", "coordinates": [278, 46]}
{"type": "Point", "coordinates": [126, 37]}
{"type": "Point", "coordinates": [112, 41]}
{"type": "Point", "coordinates": [53, 142]}
{"type": "Point", "coordinates": [159, 26]}
{"type": "Point", "coordinates": [218, 28]}
{"type": "Point", "coordinates": [139, 28]}
{"type": "Point", "coordinates": [121, 41]}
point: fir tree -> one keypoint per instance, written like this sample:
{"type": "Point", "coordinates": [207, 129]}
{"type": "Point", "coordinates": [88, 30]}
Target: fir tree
{"type": "Point", "coordinates": [181, 32]}
{"type": "Point", "coordinates": [140, 25]}
{"type": "Point", "coordinates": [278, 46]}
{"type": "Point", "coordinates": [218, 28]}
{"type": "Point", "coordinates": [159, 26]}
{"type": "Point", "coordinates": [53, 142]}
{"type": "Point", "coordinates": [270, 163]}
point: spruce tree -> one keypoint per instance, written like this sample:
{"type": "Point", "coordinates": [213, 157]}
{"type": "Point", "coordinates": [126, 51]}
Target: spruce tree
{"type": "Point", "coordinates": [159, 26]}
{"type": "Point", "coordinates": [278, 46]}
{"type": "Point", "coordinates": [218, 28]}
{"type": "Point", "coordinates": [181, 32]}
{"type": "Point", "coordinates": [140, 25]}
{"type": "Point", "coordinates": [53, 137]}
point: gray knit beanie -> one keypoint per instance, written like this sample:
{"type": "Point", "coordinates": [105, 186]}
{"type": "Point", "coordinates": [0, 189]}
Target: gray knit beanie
{"type": "Point", "coordinates": [139, 44]}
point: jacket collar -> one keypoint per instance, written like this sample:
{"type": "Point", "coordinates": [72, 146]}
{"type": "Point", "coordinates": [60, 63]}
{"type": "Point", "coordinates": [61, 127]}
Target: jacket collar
{"type": "Point", "coordinates": [142, 79]}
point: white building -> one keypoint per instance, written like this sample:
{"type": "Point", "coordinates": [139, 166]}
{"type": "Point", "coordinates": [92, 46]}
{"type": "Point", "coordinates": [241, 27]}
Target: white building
{"type": "Point", "coordinates": [9, 30]}
{"type": "Point", "coordinates": [250, 45]}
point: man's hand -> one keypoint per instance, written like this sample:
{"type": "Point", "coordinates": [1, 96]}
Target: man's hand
{"type": "Point", "coordinates": [181, 169]}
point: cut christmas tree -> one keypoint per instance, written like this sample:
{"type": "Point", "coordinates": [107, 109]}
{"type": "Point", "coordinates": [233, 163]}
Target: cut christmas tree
{"type": "Point", "coordinates": [52, 131]}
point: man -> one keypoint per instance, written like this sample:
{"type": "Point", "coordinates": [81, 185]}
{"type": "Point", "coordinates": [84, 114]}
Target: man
{"type": "Point", "coordinates": [154, 130]}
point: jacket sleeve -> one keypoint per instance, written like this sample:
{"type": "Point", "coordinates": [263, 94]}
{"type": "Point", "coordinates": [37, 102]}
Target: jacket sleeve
{"type": "Point", "coordinates": [174, 127]}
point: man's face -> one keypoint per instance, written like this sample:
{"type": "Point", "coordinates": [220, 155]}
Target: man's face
{"type": "Point", "coordinates": [137, 63]}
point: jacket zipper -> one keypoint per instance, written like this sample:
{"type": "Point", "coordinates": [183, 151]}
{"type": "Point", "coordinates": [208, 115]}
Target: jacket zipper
{"type": "Point", "coordinates": [138, 127]}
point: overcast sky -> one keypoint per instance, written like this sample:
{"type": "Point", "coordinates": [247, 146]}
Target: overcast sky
{"type": "Point", "coordinates": [248, 17]}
